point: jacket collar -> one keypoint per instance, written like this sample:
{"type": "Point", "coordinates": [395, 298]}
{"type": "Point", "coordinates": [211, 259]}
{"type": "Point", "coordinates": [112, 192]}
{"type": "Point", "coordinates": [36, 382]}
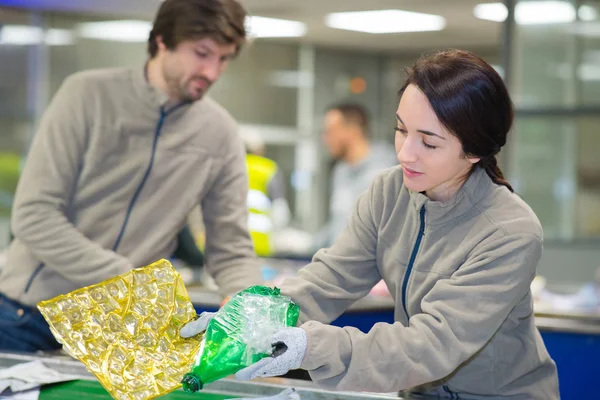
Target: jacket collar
{"type": "Point", "coordinates": [472, 192]}
{"type": "Point", "coordinates": [147, 91]}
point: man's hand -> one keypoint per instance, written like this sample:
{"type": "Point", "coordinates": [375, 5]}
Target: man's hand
{"type": "Point", "coordinates": [196, 326]}
{"type": "Point", "coordinates": [289, 348]}
{"type": "Point", "coordinates": [200, 324]}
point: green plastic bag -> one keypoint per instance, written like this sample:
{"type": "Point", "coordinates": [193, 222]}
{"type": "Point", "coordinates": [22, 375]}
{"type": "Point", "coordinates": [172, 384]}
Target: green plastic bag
{"type": "Point", "coordinates": [239, 334]}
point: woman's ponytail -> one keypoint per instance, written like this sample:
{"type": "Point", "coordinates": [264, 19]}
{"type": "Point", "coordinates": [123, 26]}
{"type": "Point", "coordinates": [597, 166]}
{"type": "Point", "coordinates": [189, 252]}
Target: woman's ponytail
{"type": "Point", "coordinates": [490, 164]}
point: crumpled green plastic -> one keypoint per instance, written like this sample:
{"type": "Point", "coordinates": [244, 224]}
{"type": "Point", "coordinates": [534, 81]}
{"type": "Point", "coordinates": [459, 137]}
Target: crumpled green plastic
{"type": "Point", "coordinates": [239, 334]}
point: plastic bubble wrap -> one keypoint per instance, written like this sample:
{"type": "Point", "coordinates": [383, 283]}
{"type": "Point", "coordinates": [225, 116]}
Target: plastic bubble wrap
{"type": "Point", "coordinates": [126, 330]}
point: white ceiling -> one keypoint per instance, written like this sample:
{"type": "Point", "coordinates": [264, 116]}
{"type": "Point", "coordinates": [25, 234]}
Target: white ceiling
{"type": "Point", "coordinates": [462, 30]}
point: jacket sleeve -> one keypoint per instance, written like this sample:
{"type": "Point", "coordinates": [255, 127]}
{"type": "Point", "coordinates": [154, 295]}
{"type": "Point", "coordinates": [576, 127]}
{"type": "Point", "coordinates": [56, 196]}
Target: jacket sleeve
{"type": "Point", "coordinates": [341, 274]}
{"type": "Point", "coordinates": [459, 316]}
{"type": "Point", "coordinates": [230, 256]}
{"type": "Point", "coordinates": [46, 188]}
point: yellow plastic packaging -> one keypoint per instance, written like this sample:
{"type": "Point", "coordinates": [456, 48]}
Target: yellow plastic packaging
{"type": "Point", "coordinates": [126, 330]}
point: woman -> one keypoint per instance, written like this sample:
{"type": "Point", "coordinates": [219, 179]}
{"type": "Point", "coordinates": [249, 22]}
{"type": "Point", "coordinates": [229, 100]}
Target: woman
{"type": "Point", "coordinates": [455, 246]}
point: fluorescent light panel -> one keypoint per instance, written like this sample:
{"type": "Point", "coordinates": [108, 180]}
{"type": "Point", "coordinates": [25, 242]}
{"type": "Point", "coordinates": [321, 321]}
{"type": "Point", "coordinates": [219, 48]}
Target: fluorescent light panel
{"type": "Point", "coordinates": [587, 13]}
{"type": "Point", "coordinates": [21, 35]}
{"type": "Point", "coordinates": [544, 12]}
{"type": "Point", "coordinates": [496, 12]}
{"type": "Point", "coordinates": [385, 21]}
{"type": "Point", "coordinates": [263, 27]}
{"type": "Point", "coordinates": [138, 31]}
{"type": "Point", "coordinates": [120, 31]}
{"type": "Point", "coordinates": [530, 12]}
{"type": "Point", "coordinates": [59, 37]}
{"type": "Point", "coordinates": [24, 35]}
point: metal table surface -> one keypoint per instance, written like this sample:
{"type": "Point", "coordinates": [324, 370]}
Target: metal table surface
{"type": "Point", "coordinates": [225, 387]}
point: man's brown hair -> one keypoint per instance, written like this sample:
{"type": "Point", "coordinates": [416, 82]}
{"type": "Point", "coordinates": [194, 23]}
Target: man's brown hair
{"type": "Point", "coordinates": [180, 20]}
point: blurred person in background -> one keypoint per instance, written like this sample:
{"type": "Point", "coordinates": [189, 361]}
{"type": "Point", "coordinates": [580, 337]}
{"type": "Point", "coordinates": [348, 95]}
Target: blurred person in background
{"type": "Point", "coordinates": [358, 162]}
{"type": "Point", "coordinates": [268, 208]}
{"type": "Point", "coordinates": [120, 158]}
{"type": "Point", "coordinates": [269, 211]}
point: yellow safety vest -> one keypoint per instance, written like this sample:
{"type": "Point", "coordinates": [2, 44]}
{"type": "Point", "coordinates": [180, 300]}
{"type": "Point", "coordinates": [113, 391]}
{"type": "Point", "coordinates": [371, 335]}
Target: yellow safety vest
{"type": "Point", "coordinates": [260, 172]}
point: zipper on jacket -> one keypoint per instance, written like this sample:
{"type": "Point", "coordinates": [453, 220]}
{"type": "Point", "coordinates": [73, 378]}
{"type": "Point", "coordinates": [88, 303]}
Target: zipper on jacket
{"type": "Point", "coordinates": [163, 115]}
{"type": "Point", "coordinates": [413, 256]}
{"type": "Point", "coordinates": [451, 393]}
{"type": "Point", "coordinates": [32, 277]}
{"type": "Point", "coordinates": [161, 121]}
{"type": "Point", "coordinates": [159, 125]}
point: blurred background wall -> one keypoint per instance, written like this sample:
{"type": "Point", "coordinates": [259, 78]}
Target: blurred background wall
{"type": "Point", "coordinates": [284, 80]}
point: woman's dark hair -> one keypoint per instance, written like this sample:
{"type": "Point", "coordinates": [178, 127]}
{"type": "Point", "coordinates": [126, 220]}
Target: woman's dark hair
{"type": "Point", "coordinates": [179, 20]}
{"type": "Point", "coordinates": [470, 100]}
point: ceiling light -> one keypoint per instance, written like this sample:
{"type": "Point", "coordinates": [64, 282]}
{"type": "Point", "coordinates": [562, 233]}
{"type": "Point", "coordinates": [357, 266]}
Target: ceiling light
{"type": "Point", "coordinates": [529, 12]}
{"type": "Point", "coordinates": [261, 27]}
{"type": "Point", "coordinates": [21, 35]}
{"type": "Point", "coordinates": [385, 21]}
{"type": "Point", "coordinates": [544, 12]}
{"type": "Point", "coordinates": [59, 37]}
{"type": "Point", "coordinates": [120, 31]}
{"type": "Point", "coordinates": [27, 35]}
{"type": "Point", "coordinates": [491, 11]}
{"type": "Point", "coordinates": [587, 13]}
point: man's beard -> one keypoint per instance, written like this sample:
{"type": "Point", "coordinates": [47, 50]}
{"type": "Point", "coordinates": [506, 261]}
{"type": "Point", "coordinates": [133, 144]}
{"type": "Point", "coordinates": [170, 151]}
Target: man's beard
{"type": "Point", "coordinates": [186, 94]}
{"type": "Point", "coordinates": [180, 90]}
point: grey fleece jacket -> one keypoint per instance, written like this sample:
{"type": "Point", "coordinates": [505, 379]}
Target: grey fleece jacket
{"type": "Point", "coordinates": [109, 180]}
{"type": "Point", "coordinates": [460, 275]}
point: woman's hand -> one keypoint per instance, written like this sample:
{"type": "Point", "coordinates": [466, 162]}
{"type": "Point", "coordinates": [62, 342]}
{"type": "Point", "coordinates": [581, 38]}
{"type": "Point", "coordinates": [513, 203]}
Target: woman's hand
{"type": "Point", "coordinates": [289, 348]}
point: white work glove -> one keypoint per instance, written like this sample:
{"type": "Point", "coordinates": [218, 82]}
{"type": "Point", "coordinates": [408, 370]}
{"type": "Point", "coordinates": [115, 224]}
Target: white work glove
{"type": "Point", "coordinates": [197, 326]}
{"type": "Point", "coordinates": [289, 346]}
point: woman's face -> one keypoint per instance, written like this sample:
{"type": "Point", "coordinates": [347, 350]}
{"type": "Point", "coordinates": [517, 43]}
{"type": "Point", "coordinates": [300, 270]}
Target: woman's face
{"type": "Point", "coordinates": [432, 158]}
